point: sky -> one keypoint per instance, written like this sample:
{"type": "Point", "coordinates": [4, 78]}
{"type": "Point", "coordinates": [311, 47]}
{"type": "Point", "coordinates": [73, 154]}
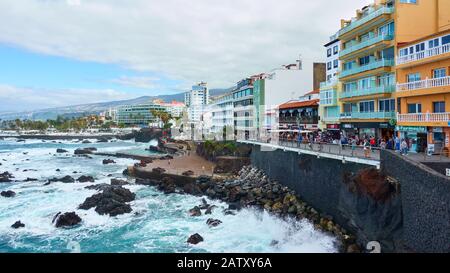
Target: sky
{"type": "Point", "coordinates": [67, 52]}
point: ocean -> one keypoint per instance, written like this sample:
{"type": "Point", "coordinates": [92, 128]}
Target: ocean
{"type": "Point", "coordinates": [159, 223]}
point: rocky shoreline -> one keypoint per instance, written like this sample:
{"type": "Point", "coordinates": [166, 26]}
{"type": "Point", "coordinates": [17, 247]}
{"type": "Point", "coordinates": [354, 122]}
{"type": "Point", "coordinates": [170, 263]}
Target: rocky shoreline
{"type": "Point", "coordinates": [252, 188]}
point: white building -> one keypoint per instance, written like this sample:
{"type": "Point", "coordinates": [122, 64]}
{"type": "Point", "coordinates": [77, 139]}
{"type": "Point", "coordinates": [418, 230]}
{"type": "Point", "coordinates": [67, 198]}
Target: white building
{"type": "Point", "coordinates": [222, 116]}
{"type": "Point", "coordinates": [195, 101]}
{"type": "Point", "coordinates": [175, 108]}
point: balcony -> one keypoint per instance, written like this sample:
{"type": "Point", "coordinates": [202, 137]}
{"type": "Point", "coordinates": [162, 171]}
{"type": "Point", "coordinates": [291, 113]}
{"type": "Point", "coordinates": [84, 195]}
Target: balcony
{"type": "Point", "coordinates": [329, 100]}
{"type": "Point", "coordinates": [368, 115]}
{"type": "Point", "coordinates": [443, 49]}
{"type": "Point", "coordinates": [365, 44]}
{"type": "Point", "coordinates": [372, 15]}
{"type": "Point", "coordinates": [371, 66]}
{"type": "Point", "coordinates": [328, 84]}
{"type": "Point", "coordinates": [424, 117]}
{"type": "Point", "coordinates": [388, 89]}
{"type": "Point", "coordinates": [424, 84]}
{"type": "Point", "coordinates": [302, 120]}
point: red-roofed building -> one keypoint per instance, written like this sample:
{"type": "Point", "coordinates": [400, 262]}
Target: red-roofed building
{"type": "Point", "coordinates": [302, 113]}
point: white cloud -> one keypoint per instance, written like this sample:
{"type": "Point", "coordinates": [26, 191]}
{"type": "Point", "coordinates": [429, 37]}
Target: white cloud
{"type": "Point", "coordinates": [138, 82]}
{"type": "Point", "coordinates": [22, 99]}
{"type": "Point", "coordinates": [213, 40]}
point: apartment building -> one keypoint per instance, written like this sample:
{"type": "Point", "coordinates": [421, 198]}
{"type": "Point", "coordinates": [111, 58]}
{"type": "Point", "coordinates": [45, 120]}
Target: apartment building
{"type": "Point", "coordinates": [423, 91]}
{"type": "Point", "coordinates": [329, 108]}
{"type": "Point", "coordinates": [222, 118]}
{"type": "Point", "coordinates": [195, 101]}
{"type": "Point", "coordinates": [369, 43]}
{"type": "Point", "coordinates": [139, 114]}
{"type": "Point", "coordinates": [243, 110]}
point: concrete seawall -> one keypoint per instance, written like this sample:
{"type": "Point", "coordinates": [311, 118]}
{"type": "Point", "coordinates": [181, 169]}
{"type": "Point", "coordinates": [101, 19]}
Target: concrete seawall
{"type": "Point", "coordinates": [405, 209]}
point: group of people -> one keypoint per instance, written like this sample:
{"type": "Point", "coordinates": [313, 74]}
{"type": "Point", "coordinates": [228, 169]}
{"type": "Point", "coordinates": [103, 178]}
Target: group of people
{"type": "Point", "coordinates": [369, 143]}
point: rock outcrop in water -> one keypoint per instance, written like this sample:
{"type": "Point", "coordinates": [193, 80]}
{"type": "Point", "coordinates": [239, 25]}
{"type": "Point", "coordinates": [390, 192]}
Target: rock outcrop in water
{"type": "Point", "coordinates": [85, 179]}
{"type": "Point", "coordinates": [213, 222]}
{"type": "Point", "coordinates": [65, 179]}
{"type": "Point", "coordinates": [61, 151]}
{"type": "Point", "coordinates": [6, 177]}
{"type": "Point", "coordinates": [118, 182]}
{"type": "Point", "coordinates": [85, 151]}
{"type": "Point", "coordinates": [8, 194]}
{"type": "Point", "coordinates": [108, 161]}
{"type": "Point", "coordinates": [195, 239]}
{"type": "Point", "coordinates": [17, 225]}
{"type": "Point", "coordinates": [67, 219]}
{"type": "Point", "coordinates": [112, 200]}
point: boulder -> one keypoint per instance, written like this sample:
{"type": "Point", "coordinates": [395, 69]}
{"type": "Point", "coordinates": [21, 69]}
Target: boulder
{"type": "Point", "coordinates": [209, 210]}
{"type": "Point", "coordinates": [65, 179]}
{"type": "Point", "coordinates": [85, 179]}
{"type": "Point", "coordinates": [118, 182]}
{"type": "Point", "coordinates": [195, 212]}
{"type": "Point", "coordinates": [102, 140]}
{"type": "Point", "coordinates": [111, 201]}
{"type": "Point", "coordinates": [158, 170]}
{"type": "Point", "coordinates": [67, 219]}
{"type": "Point", "coordinates": [8, 194]}
{"type": "Point", "coordinates": [61, 151]}
{"type": "Point", "coordinates": [86, 142]}
{"type": "Point", "coordinates": [30, 179]}
{"type": "Point", "coordinates": [188, 173]}
{"type": "Point", "coordinates": [213, 222]}
{"type": "Point", "coordinates": [84, 151]}
{"type": "Point", "coordinates": [6, 177]}
{"type": "Point", "coordinates": [195, 239]}
{"type": "Point", "coordinates": [108, 161]}
{"type": "Point", "coordinates": [17, 225]}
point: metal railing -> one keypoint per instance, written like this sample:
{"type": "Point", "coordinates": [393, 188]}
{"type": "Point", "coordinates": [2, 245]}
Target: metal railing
{"type": "Point", "coordinates": [367, 67]}
{"type": "Point", "coordinates": [443, 49]}
{"type": "Point", "coordinates": [361, 21]}
{"type": "Point", "coordinates": [366, 43]}
{"type": "Point", "coordinates": [368, 91]}
{"type": "Point", "coordinates": [424, 117]}
{"type": "Point", "coordinates": [368, 115]}
{"type": "Point", "coordinates": [423, 84]}
{"type": "Point", "coordinates": [357, 151]}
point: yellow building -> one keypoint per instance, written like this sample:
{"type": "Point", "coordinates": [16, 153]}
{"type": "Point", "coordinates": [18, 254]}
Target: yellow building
{"type": "Point", "coordinates": [423, 91]}
{"type": "Point", "coordinates": [369, 44]}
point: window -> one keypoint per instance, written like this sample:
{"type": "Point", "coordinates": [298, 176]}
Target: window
{"type": "Point", "coordinates": [420, 47]}
{"type": "Point", "coordinates": [349, 65]}
{"type": "Point", "coordinates": [433, 43]}
{"type": "Point", "coordinates": [387, 105]}
{"type": "Point", "coordinates": [335, 50]}
{"type": "Point", "coordinates": [351, 86]}
{"type": "Point", "coordinates": [411, 50]}
{"type": "Point", "coordinates": [387, 29]}
{"type": "Point", "coordinates": [415, 77]}
{"type": "Point", "coordinates": [446, 40]}
{"type": "Point", "coordinates": [366, 83]}
{"type": "Point", "coordinates": [386, 80]}
{"type": "Point", "coordinates": [439, 73]}
{"type": "Point", "coordinates": [329, 52]}
{"type": "Point", "coordinates": [329, 66]}
{"type": "Point", "coordinates": [414, 108]}
{"type": "Point", "coordinates": [439, 107]}
{"type": "Point", "coordinates": [366, 106]}
{"type": "Point", "coordinates": [364, 60]}
{"type": "Point", "coordinates": [403, 52]}
{"type": "Point", "coordinates": [335, 63]}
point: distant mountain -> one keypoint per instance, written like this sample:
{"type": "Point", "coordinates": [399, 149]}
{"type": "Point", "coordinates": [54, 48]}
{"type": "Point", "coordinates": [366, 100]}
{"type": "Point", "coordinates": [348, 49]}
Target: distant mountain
{"type": "Point", "coordinates": [93, 108]}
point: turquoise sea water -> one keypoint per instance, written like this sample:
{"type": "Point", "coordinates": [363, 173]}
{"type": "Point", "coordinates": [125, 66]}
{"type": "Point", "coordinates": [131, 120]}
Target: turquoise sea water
{"type": "Point", "coordinates": [158, 223]}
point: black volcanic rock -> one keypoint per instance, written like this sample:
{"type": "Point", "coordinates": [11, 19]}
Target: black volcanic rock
{"type": "Point", "coordinates": [84, 151]}
{"type": "Point", "coordinates": [8, 194]}
{"type": "Point", "coordinates": [213, 222]}
{"type": "Point", "coordinates": [67, 219]}
{"type": "Point", "coordinates": [85, 178]}
{"type": "Point", "coordinates": [118, 182]}
{"type": "Point", "coordinates": [61, 151]}
{"type": "Point", "coordinates": [17, 225]}
{"type": "Point", "coordinates": [113, 201]}
{"type": "Point", "coordinates": [195, 239]}
{"type": "Point", "coordinates": [108, 161]}
{"type": "Point", "coordinates": [65, 179]}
